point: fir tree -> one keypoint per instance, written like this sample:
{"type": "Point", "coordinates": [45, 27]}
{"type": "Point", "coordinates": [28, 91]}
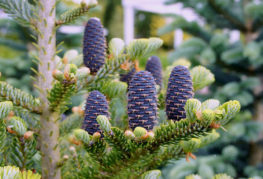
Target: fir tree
{"type": "Point", "coordinates": [33, 136]}
{"type": "Point", "coordinates": [237, 67]}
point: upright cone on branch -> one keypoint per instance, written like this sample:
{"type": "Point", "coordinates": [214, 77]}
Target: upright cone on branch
{"type": "Point", "coordinates": [94, 45]}
{"type": "Point", "coordinates": [96, 105]}
{"type": "Point", "coordinates": [142, 101]}
{"type": "Point", "coordinates": [127, 77]}
{"type": "Point", "coordinates": [154, 66]}
{"type": "Point", "coordinates": [179, 90]}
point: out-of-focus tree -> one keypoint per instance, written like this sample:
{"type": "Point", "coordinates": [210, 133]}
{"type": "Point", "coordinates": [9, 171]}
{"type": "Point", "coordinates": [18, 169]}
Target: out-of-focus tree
{"type": "Point", "coordinates": [237, 66]}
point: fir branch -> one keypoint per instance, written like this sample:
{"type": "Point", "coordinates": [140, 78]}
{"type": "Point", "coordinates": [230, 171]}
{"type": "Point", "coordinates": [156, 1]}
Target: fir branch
{"type": "Point", "coordinates": [110, 67]}
{"type": "Point", "coordinates": [139, 164]}
{"type": "Point", "coordinates": [73, 121]}
{"type": "Point", "coordinates": [5, 108]}
{"type": "Point", "coordinates": [110, 88]}
{"type": "Point", "coordinates": [20, 10]}
{"type": "Point", "coordinates": [134, 158]}
{"type": "Point", "coordinates": [2, 140]}
{"type": "Point", "coordinates": [29, 150]}
{"type": "Point", "coordinates": [257, 24]}
{"type": "Point", "coordinates": [19, 98]}
{"type": "Point", "coordinates": [14, 45]}
{"type": "Point", "coordinates": [177, 131]}
{"type": "Point", "coordinates": [31, 119]}
{"type": "Point", "coordinates": [192, 28]}
{"type": "Point", "coordinates": [165, 154]}
{"type": "Point", "coordinates": [15, 155]}
{"type": "Point", "coordinates": [96, 148]}
{"type": "Point", "coordinates": [14, 172]}
{"type": "Point", "coordinates": [228, 15]}
{"type": "Point", "coordinates": [71, 15]}
{"type": "Point", "coordinates": [60, 94]}
{"type": "Point", "coordinates": [119, 141]}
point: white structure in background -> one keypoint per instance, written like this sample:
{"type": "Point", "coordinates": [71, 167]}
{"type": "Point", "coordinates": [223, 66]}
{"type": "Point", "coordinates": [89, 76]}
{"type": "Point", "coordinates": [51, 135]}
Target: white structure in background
{"type": "Point", "coordinates": [159, 7]}
{"type": "Point", "coordinates": [154, 6]}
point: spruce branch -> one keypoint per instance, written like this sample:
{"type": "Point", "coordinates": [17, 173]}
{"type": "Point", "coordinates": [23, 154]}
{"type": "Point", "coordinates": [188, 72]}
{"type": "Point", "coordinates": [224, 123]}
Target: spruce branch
{"type": "Point", "coordinates": [73, 14]}
{"type": "Point", "coordinates": [20, 10]}
{"type": "Point", "coordinates": [19, 98]}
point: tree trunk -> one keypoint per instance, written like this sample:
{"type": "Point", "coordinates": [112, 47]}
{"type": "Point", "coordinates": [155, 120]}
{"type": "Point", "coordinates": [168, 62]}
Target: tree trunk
{"type": "Point", "coordinates": [49, 132]}
{"type": "Point", "coordinates": [256, 151]}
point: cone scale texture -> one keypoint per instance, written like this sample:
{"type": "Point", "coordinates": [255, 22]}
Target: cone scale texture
{"type": "Point", "coordinates": [155, 67]}
{"type": "Point", "coordinates": [94, 45]}
{"type": "Point", "coordinates": [180, 89]}
{"type": "Point", "coordinates": [127, 77]}
{"type": "Point", "coordinates": [142, 101]}
{"type": "Point", "coordinates": [96, 105]}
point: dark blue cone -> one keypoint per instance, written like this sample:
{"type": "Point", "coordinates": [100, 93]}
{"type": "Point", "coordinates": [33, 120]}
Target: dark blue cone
{"type": "Point", "coordinates": [155, 67]}
{"type": "Point", "coordinates": [142, 101]}
{"type": "Point", "coordinates": [94, 45]}
{"type": "Point", "coordinates": [127, 77]}
{"type": "Point", "coordinates": [180, 89]}
{"type": "Point", "coordinates": [96, 105]}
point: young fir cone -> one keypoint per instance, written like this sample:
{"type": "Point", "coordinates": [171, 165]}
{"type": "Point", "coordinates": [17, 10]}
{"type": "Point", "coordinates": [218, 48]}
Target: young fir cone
{"type": "Point", "coordinates": [179, 90]}
{"type": "Point", "coordinates": [155, 67]}
{"type": "Point", "coordinates": [127, 77]}
{"type": "Point", "coordinates": [96, 105]}
{"type": "Point", "coordinates": [94, 45]}
{"type": "Point", "coordinates": [142, 101]}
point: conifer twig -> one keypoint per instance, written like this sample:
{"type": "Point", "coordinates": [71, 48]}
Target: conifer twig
{"type": "Point", "coordinates": [73, 14]}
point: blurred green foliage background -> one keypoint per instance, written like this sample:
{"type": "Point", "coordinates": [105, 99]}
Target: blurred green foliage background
{"type": "Point", "coordinates": [232, 153]}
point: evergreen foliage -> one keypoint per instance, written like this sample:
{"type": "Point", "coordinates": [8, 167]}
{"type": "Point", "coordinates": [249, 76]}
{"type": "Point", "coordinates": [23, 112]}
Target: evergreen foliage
{"type": "Point", "coordinates": [73, 14]}
{"type": "Point", "coordinates": [237, 68]}
{"type": "Point", "coordinates": [21, 11]}
{"type": "Point", "coordinates": [100, 150]}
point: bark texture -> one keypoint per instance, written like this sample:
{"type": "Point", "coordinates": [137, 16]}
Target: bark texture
{"type": "Point", "coordinates": [49, 120]}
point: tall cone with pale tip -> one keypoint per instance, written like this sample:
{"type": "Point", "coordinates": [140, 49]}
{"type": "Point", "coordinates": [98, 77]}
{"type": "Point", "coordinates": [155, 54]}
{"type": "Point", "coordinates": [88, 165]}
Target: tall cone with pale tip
{"type": "Point", "coordinates": [154, 66]}
{"type": "Point", "coordinates": [96, 105]}
{"type": "Point", "coordinates": [179, 90]}
{"type": "Point", "coordinates": [142, 101]}
{"type": "Point", "coordinates": [94, 45]}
